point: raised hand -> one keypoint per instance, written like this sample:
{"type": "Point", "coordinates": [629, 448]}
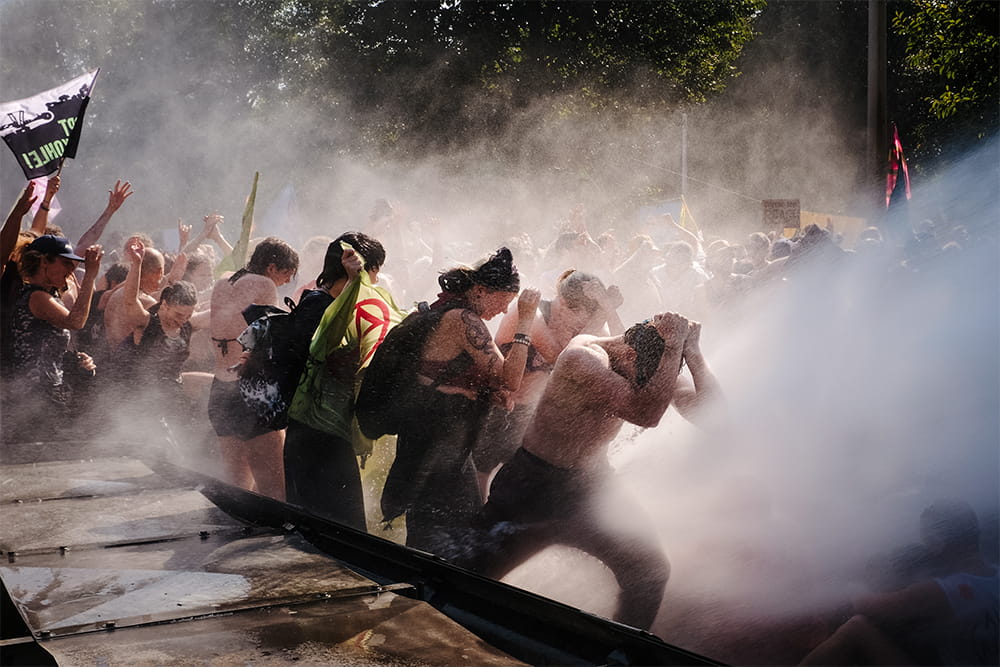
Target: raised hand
{"type": "Point", "coordinates": [527, 303]}
{"type": "Point", "coordinates": [213, 220]}
{"type": "Point", "coordinates": [352, 262]}
{"type": "Point", "coordinates": [51, 188]}
{"type": "Point", "coordinates": [135, 252]}
{"type": "Point", "coordinates": [673, 328]}
{"type": "Point", "coordinates": [614, 298]}
{"type": "Point", "coordinates": [183, 233]}
{"type": "Point", "coordinates": [92, 259]}
{"type": "Point", "coordinates": [118, 194]}
{"type": "Point", "coordinates": [25, 201]}
{"type": "Point", "coordinates": [691, 343]}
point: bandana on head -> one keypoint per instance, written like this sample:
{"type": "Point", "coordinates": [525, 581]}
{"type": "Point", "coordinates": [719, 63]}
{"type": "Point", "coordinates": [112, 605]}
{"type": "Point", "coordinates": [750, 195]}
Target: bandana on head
{"type": "Point", "coordinates": [498, 272]}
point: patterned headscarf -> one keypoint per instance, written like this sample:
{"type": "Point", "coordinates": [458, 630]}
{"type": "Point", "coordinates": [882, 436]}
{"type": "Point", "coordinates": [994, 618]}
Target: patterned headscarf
{"type": "Point", "coordinates": [496, 273]}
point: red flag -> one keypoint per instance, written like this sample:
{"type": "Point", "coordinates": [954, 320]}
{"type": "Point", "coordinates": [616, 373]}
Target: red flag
{"type": "Point", "coordinates": [896, 162]}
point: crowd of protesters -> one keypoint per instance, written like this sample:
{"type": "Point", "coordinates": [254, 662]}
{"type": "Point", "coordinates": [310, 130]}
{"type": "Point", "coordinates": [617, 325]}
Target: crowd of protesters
{"type": "Point", "coordinates": [530, 362]}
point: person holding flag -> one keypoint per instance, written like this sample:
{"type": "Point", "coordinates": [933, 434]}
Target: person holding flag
{"type": "Point", "coordinates": [323, 442]}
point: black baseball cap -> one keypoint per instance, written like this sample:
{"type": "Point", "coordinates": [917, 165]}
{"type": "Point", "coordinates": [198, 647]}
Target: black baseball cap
{"type": "Point", "coordinates": [54, 245]}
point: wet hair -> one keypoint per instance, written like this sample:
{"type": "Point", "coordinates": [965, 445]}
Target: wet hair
{"type": "Point", "coordinates": [180, 293]}
{"type": "Point", "coordinates": [116, 273]}
{"type": "Point", "coordinates": [168, 261]}
{"type": "Point", "coordinates": [952, 523]}
{"type": "Point", "coordinates": [678, 252]}
{"type": "Point", "coordinates": [29, 262]}
{"type": "Point", "coordinates": [720, 260]}
{"type": "Point", "coordinates": [758, 241]}
{"type": "Point", "coordinates": [566, 241]}
{"type": "Point", "coordinates": [781, 248]}
{"type": "Point", "coordinates": [649, 346]}
{"type": "Point", "coordinates": [195, 262]}
{"type": "Point", "coordinates": [497, 273]}
{"type": "Point", "coordinates": [571, 286]}
{"type": "Point", "coordinates": [271, 250]}
{"type": "Point", "coordinates": [333, 269]}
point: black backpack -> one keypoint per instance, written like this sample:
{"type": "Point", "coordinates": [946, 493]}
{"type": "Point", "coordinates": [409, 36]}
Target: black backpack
{"type": "Point", "coordinates": [384, 405]}
{"type": "Point", "coordinates": [270, 375]}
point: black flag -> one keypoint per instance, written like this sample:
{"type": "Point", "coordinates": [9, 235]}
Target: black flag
{"type": "Point", "coordinates": [43, 129]}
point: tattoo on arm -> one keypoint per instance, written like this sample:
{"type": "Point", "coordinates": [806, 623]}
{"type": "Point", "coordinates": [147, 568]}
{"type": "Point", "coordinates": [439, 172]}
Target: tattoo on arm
{"type": "Point", "coordinates": [475, 331]}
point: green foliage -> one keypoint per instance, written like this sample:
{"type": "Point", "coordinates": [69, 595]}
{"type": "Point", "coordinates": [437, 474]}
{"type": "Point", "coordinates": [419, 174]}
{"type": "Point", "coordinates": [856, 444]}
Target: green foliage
{"type": "Point", "coordinates": [211, 90]}
{"type": "Point", "coordinates": [457, 71]}
{"type": "Point", "coordinates": [952, 58]}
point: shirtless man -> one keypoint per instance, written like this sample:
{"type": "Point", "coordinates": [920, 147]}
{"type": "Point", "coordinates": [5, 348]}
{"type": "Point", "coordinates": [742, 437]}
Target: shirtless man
{"type": "Point", "coordinates": [582, 305]}
{"type": "Point", "coordinates": [117, 325]}
{"type": "Point", "coordinates": [252, 454]}
{"type": "Point", "coordinates": [550, 492]}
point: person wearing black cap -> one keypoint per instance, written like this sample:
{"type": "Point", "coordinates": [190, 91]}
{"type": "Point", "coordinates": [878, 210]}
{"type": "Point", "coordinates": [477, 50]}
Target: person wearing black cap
{"type": "Point", "coordinates": [40, 331]}
{"type": "Point", "coordinates": [432, 479]}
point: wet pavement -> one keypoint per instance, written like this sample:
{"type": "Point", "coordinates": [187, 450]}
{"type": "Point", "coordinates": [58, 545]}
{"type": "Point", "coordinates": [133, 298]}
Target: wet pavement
{"type": "Point", "coordinates": [110, 563]}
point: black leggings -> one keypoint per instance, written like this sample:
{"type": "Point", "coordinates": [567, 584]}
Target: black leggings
{"type": "Point", "coordinates": [533, 505]}
{"type": "Point", "coordinates": [322, 475]}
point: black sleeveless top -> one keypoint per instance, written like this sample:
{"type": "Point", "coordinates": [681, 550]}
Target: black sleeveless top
{"type": "Point", "coordinates": [156, 358]}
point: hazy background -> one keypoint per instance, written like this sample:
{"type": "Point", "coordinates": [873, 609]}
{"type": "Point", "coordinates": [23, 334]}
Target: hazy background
{"type": "Point", "coordinates": [853, 403]}
{"type": "Point", "coordinates": [187, 111]}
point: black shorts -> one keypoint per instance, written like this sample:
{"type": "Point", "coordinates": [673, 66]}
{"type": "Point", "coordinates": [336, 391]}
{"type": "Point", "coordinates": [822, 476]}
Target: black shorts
{"type": "Point", "coordinates": [230, 415]}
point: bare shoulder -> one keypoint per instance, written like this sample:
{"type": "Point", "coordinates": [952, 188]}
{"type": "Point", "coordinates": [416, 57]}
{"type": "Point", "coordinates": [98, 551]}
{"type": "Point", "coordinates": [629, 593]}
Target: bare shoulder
{"type": "Point", "coordinates": [114, 298]}
{"type": "Point", "coordinates": [229, 299]}
{"type": "Point", "coordinates": [582, 356]}
{"type": "Point", "coordinates": [583, 347]}
{"type": "Point", "coordinates": [249, 288]}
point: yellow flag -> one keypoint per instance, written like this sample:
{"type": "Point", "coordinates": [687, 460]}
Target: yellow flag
{"type": "Point", "coordinates": [237, 259]}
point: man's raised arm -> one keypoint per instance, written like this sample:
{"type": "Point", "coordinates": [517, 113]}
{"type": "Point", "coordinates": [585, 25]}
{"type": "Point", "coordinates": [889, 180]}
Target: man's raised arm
{"type": "Point", "coordinates": [690, 400]}
{"type": "Point", "coordinates": [12, 226]}
{"type": "Point", "coordinates": [116, 197]}
{"type": "Point", "coordinates": [655, 351]}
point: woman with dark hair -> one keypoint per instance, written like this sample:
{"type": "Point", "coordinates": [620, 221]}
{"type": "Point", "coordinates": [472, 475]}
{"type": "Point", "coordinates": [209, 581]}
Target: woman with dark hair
{"type": "Point", "coordinates": [322, 443]}
{"type": "Point", "coordinates": [460, 370]}
{"type": "Point", "coordinates": [151, 357]}
{"type": "Point", "coordinates": [40, 335]}
{"type": "Point", "coordinates": [251, 453]}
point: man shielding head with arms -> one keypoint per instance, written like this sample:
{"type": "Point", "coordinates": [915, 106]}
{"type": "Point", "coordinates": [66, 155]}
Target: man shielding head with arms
{"type": "Point", "coordinates": [552, 490]}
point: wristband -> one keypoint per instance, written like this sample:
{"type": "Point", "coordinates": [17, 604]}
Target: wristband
{"type": "Point", "coordinates": [522, 339]}
{"type": "Point", "coordinates": [44, 207]}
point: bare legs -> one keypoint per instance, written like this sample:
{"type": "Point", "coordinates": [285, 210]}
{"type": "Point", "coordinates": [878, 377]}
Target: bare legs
{"type": "Point", "coordinates": [257, 464]}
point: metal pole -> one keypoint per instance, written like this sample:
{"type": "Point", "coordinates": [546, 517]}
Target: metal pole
{"type": "Point", "coordinates": [684, 155]}
{"type": "Point", "coordinates": [878, 133]}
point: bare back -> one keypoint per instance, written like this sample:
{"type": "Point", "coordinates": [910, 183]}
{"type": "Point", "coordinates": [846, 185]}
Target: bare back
{"type": "Point", "coordinates": [589, 397]}
{"type": "Point", "coordinates": [228, 301]}
{"type": "Point", "coordinates": [117, 324]}
{"type": "Point", "coordinates": [573, 424]}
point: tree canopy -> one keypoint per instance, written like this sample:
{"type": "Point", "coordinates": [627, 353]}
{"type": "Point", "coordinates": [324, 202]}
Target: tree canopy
{"type": "Point", "coordinates": [448, 72]}
{"type": "Point", "coordinates": [951, 63]}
